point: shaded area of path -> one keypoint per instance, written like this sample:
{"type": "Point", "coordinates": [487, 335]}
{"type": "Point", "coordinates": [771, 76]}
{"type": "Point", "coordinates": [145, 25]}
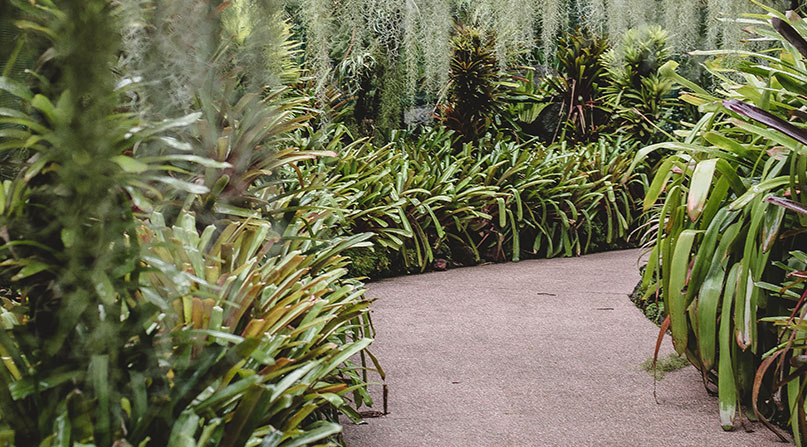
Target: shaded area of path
{"type": "Point", "coordinates": [538, 353]}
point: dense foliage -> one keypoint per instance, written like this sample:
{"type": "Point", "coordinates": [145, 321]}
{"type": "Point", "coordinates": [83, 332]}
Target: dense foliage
{"type": "Point", "coordinates": [153, 298]}
{"type": "Point", "coordinates": [728, 244]}
{"type": "Point", "coordinates": [184, 185]}
{"type": "Point", "coordinates": [635, 94]}
{"type": "Point", "coordinates": [474, 92]}
{"type": "Point", "coordinates": [409, 42]}
{"type": "Point", "coordinates": [493, 200]}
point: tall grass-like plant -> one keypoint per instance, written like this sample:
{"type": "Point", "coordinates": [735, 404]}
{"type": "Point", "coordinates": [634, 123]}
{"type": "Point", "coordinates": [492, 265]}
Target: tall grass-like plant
{"type": "Point", "coordinates": [731, 224]}
{"type": "Point", "coordinates": [70, 250]}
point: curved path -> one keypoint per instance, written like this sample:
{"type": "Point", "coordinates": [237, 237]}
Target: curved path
{"type": "Point", "coordinates": [538, 353]}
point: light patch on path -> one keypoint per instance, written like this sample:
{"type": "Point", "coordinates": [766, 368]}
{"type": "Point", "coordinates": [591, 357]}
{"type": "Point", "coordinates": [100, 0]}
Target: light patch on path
{"type": "Point", "coordinates": [536, 353]}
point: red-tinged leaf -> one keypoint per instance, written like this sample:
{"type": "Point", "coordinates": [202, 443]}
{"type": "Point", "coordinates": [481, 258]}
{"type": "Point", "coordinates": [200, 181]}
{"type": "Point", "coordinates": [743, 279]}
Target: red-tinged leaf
{"type": "Point", "coordinates": [222, 6]}
{"type": "Point", "coordinates": [665, 326]}
{"type": "Point", "coordinates": [766, 118]}
{"type": "Point", "coordinates": [789, 204]}
{"type": "Point", "coordinates": [777, 152]}
{"type": "Point", "coordinates": [763, 368]}
{"type": "Point", "coordinates": [799, 274]}
{"type": "Point", "coordinates": [790, 33]}
{"type": "Point", "coordinates": [663, 330]}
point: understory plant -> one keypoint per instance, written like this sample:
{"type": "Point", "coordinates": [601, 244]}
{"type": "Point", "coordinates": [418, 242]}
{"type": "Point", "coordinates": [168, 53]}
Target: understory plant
{"type": "Point", "coordinates": [730, 227]}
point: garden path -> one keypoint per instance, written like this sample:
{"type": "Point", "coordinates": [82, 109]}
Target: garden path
{"type": "Point", "coordinates": [535, 353]}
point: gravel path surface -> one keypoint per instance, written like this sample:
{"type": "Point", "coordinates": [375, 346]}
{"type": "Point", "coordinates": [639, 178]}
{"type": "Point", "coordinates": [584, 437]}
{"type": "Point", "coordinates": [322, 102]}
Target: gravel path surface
{"type": "Point", "coordinates": [536, 353]}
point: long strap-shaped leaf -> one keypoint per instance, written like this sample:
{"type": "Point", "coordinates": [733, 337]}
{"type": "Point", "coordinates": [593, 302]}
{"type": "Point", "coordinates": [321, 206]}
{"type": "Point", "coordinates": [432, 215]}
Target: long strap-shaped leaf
{"type": "Point", "coordinates": [727, 386]}
{"type": "Point", "coordinates": [677, 293]}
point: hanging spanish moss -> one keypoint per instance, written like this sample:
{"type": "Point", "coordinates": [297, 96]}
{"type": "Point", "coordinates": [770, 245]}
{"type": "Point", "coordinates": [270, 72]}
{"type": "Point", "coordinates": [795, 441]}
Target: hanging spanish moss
{"type": "Point", "coordinates": [169, 45]}
{"type": "Point", "coordinates": [413, 35]}
{"type": "Point", "coordinates": [515, 32]}
{"type": "Point", "coordinates": [318, 19]}
{"type": "Point", "coordinates": [686, 15]}
{"type": "Point", "coordinates": [594, 15]}
{"type": "Point", "coordinates": [617, 17]}
{"type": "Point", "coordinates": [640, 12]}
{"type": "Point", "coordinates": [553, 15]}
{"type": "Point", "coordinates": [716, 35]}
{"type": "Point", "coordinates": [436, 33]}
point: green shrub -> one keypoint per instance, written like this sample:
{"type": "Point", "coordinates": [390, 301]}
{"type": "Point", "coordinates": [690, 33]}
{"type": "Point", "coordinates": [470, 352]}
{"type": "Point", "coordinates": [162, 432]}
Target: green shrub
{"type": "Point", "coordinates": [577, 87]}
{"type": "Point", "coordinates": [496, 201]}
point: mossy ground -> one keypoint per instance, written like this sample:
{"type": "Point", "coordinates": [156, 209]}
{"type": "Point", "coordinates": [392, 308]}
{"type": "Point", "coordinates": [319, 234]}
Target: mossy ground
{"type": "Point", "coordinates": [649, 303]}
{"type": "Point", "coordinates": [672, 362]}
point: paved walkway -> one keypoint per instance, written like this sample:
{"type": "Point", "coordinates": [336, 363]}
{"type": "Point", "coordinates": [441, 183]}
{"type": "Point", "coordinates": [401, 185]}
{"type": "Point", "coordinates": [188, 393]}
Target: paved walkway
{"type": "Point", "coordinates": [538, 353]}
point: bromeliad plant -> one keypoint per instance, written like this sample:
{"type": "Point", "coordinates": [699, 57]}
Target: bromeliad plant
{"type": "Point", "coordinates": [474, 94]}
{"type": "Point", "coordinates": [420, 196]}
{"type": "Point", "coordinates": [638, 97]}
{"type": "Point", "coordinates": [266, 325]}
{"type": "Point", "coordinates": [578, 85]}
{"type": "Point", "coordinates": [731, 223]}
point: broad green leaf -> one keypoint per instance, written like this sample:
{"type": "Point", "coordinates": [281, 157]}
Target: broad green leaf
{"type": "Point", "coordinates": [43, 104]}
{"type": "Point", "coordinates": [708, 303]}
{"type": "Point", "coordinates": [130, 165]}
{"type": "Point", "coordinates": [726, 143]}
{"type": "Point", "coordinates": [248, 415]}
{"type": "Point", "coordinates": [31, 268]}
{"type": "Point", "coordinates": [23, 388]}
{"type": "Point", "coordinates": [502, 212]}
{"type": "Point", "coordinates": [699, 187]}
{"type": "Point", "coordinates": [661, 178]}
{"type": "Point", "coordinates": [16, 88]}
{"type": "Point", "coordinates": [758, 189]}
{"type": "Point", "coordinates": [182, 185]}
{"type": "Point", "coordinates": [771, 225]}
{"type": "Point", "coordinates": [729, 172]}
{"type": "Point", "coordinates": [318, 432]}
{"type": "Point", "coordinates": [202, 161]}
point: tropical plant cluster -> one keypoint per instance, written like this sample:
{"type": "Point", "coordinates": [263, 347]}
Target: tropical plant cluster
{"type": "Point", "coordinates": [730, 227]}
{"type": "Point", "coordinates": [192, 189]}
{"type": "Point", "coordinates": [154, 292]}
{"type": "Point", "coordinates": [597, 90]}
{"type": "Point", "coordinates": [492, 200]}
